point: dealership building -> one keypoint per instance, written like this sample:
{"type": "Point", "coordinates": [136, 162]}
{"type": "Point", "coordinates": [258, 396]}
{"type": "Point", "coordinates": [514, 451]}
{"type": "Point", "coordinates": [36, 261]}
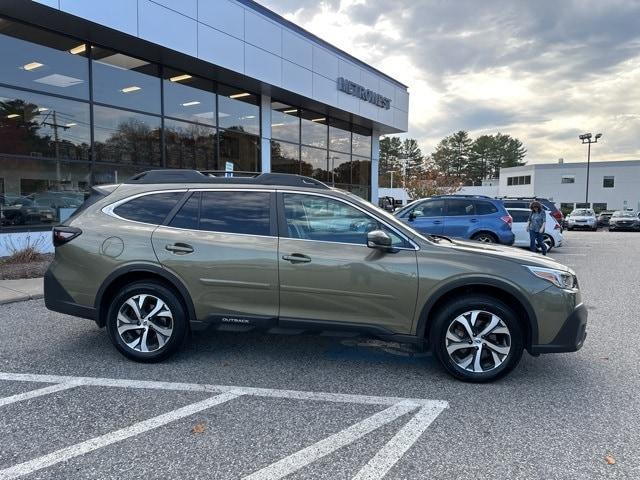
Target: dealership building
{"type": "Point", "coordinates": [92, 92]}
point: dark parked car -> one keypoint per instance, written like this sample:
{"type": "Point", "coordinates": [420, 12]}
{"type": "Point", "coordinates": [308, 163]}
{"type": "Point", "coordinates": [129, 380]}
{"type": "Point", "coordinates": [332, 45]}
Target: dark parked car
{"type": "Point", "coordinates": [603, 218]}
{"type": "Point", "coordinates": [524, 202]}
{"type": "Point", "coordinates": [624, 220]}
{"type": "Point", "coordinates": [471, 217]}
{"type": "Point", "coordinates": [25, 210]}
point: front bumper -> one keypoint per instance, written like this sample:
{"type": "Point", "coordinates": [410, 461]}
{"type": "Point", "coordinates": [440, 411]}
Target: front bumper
{"type": "Point", "coordinates": [571, 335]}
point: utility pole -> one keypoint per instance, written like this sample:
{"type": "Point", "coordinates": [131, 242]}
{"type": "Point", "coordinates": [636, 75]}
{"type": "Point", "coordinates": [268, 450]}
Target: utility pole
{"type": "Point", "coordinates": [586, 138]}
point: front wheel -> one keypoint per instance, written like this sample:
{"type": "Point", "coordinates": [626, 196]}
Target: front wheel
{"type": "Point", "coordinates": [477, 338]}
{"type": "Point", "coordinates": [146, 321]}
{"type": "Point", "coordinates": [484, 237]}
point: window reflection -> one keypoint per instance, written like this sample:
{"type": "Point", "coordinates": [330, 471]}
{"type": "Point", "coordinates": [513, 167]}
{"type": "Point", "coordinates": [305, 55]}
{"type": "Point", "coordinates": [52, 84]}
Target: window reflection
{"type": "Point", "coordinates": [189, 98]}
{"type": "Point", "coordinates": [125, 137]}
{"type": "Point", "coordinates": [314, 129]}
{"type": "Point", "coordinates": [46, 62]}
{"type": "Point", "coordinates": [43, 126]}
{"type": "Point", "coordinates": [285, 157]}
{"type": "Point", "coordinates": [361, 171]}
{"type": "Point", "coordinates": [238, 110]}
{"type": "Point", "coordinates": [39, 193]}
{"type": "Point", "coordinates": [107, 174]}
{"type": "Point", "coordinates": [361, 142]}
{"type": "Point", "coordinates": [314, 163]}
{"type": "Point", "coordinates": [125, 81]}
{"type": "Point", "coordinates": [285, 123]}
{"type": "Point", "coordinates": [340, 168]}
{"type": "Point", "coordinates": [189, 145]}
{"type": "Point", "coordinates": [243, 151]}
{"type": "Point", "coordinates": [339, 136]}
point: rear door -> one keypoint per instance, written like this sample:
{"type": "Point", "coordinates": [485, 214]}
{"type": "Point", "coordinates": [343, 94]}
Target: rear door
{"type": "Point", "coordinates": [223, 245]}
{"type": "Point", "coordinates": [426, 217]}
{"type": "Point", "coordinates": [329, 276]}
{"type": "Point", "coordinates": [460, 217]}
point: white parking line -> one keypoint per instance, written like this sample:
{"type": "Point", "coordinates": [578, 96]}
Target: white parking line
{"type": "Point", "coordinates": [376, 468]}
{"type": "Point", "coordinates": [324, 447]}
{"type": "Point", "coordinates": [393, 451]}
{"type": "Point", "coordinates": [117, 436]}
{"type": "Point", "coordinates": [36, 393]}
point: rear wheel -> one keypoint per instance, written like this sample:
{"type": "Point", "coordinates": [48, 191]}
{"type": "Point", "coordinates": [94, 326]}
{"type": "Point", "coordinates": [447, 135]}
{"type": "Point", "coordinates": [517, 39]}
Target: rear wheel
{"type": "Point", "coordinates": [548, 241]}
{"type": "Point", "coordinates": [477, 338]}
{"type": "Point", "coordinates": [485, 237]}
{"type": "Point", "coordinates": [146, 321]}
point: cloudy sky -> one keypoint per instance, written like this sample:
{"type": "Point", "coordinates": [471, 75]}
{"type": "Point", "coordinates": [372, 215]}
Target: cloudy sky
{"type": "Point", "coordinates": [541, 70]}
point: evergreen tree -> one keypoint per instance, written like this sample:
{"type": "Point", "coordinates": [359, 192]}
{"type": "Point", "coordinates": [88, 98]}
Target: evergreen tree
{"type": "Point", "coordinates": [452, 155]}
{"type": "Point", "coordinates": [412, 159]}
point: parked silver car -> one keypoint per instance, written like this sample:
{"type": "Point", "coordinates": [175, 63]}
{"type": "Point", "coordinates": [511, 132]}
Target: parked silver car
{"type": "Point", "coordinates": [582, 218]}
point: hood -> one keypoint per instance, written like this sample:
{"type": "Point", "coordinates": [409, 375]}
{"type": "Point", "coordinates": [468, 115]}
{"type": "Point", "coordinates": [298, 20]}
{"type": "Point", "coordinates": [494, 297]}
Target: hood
{"type": "Point", "coordinates": [581, 217]}
{"type": "Point", "coordinates": [514, 254]}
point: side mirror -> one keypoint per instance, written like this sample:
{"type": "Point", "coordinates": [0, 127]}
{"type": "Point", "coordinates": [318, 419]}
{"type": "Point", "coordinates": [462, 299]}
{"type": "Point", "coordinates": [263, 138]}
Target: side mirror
{"type": "Point", "coordinates": [412, 216]}
{"type": "Point", "coordinates": [378, 239]}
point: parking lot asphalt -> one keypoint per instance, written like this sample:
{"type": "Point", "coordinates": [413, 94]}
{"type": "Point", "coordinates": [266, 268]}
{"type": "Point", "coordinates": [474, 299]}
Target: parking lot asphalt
{"type": "Point", "coordinates": [235, 405]}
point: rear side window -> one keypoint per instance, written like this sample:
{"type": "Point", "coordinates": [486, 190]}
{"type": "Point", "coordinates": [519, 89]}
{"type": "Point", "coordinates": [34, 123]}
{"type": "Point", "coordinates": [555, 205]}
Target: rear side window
{"type": "Point", "coordinates": [246, 213]}
{"type": "Point", "coordinates": [485, 208]}
{"type": "Point", "coordinates": [519, 216]}
{"type": "Point", "coordinates": [460, 207]}
{"type": "Point", "coordinates": [152, 208]}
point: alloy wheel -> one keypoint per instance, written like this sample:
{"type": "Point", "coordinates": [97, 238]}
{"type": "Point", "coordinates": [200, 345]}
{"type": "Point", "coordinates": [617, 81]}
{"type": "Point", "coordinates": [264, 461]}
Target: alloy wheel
{"type": "Point", "coordinates": [478, 341]}
{"type": "Point", "coordinates": [145, 323]}
{"type": "Point", "coordinates": [484, 238]}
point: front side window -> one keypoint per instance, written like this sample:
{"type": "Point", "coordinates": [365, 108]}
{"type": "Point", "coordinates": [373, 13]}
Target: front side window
{"type": "Point", "coordinates": [429, 208]}
{"type": "Point", "coordinates": [459, 207]}
{"type": "Point", "coordinates": [310, 217]}
{"type": "Point", "coordinates": [152, 208]}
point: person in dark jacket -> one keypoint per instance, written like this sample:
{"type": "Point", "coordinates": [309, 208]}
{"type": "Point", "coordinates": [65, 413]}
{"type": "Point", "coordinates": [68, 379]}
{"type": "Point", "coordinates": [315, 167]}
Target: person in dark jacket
{"type": "Point", "coordinates": [535, 227]}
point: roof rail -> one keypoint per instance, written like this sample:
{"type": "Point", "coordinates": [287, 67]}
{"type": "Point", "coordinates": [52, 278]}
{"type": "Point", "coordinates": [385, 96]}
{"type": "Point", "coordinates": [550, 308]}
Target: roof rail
{"type": "Point", "coordinates": [460, 195]}
{"type": "Point", "coordinates": [183, 176]}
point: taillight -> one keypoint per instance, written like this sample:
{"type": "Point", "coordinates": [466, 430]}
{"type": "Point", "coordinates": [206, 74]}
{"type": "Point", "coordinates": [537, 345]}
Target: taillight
{"type": "Point", "coordinates": [508, 219]}
{"type": "Point", "coordinates": [558, 215]}
{"type": "Point", "coordinates": [62, 235]}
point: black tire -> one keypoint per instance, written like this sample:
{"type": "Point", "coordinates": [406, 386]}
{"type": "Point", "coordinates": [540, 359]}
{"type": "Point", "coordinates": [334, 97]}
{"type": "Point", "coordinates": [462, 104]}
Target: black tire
{"type": "Point", "coordinates": [178, 323]}
{"type": "Point", "coordinates": [551, 244]}
{"type": "Point", "coordinates": [444, 318]}
{"type": "Point", "coordinates": [485, 237]}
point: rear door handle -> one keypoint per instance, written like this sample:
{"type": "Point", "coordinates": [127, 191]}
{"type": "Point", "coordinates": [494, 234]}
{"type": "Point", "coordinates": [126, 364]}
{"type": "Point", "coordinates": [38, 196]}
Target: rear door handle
{"type": "Point", "coordinates": [437, 222]}
{"type": "Point", "coordinates": [296, 258]}
{"type": "Point", "coordinates": [179, 248]}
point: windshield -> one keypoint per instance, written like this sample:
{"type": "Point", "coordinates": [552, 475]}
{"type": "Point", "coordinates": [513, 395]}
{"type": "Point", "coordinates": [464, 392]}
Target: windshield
{"type": "Point", "coordinates": [583, 212]}
{"type": "Point", "coordinates": [624, 214]}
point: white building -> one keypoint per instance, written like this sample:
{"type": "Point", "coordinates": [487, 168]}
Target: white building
{"type": "Point", "coordinates": [612, 185]}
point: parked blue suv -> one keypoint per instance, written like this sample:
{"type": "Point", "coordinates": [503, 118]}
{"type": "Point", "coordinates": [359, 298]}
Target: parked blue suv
{"type": "Point", "coordinates": [462, 216]}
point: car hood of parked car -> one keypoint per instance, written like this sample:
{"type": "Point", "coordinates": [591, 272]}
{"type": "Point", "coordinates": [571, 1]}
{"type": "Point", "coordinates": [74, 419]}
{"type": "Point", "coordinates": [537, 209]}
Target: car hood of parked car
{"type": "Point", "coordinates": [514, 254]}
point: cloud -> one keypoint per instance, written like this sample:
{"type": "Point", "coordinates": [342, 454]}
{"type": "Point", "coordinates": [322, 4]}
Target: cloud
{"type": "Point", "coordinates": [540, 70]}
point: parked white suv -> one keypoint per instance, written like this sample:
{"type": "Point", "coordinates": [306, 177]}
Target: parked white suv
{"type": "Point", "coordinates": [552, 233]}
{"type": "Point", "coordinates": [582, 218]}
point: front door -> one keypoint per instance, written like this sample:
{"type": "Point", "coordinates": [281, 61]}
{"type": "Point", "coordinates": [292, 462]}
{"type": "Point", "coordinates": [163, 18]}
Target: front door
{"type": "Point", "coordinates": [223, 245]}
{"type": "Point", "coordinates": [427, 217]}
{"type": "Point", "coordinates": [329, 275]}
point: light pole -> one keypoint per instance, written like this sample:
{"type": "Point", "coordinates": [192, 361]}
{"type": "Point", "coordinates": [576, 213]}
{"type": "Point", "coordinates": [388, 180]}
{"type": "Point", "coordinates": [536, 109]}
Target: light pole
{"type": "Point", "coordinates": [586, 138]}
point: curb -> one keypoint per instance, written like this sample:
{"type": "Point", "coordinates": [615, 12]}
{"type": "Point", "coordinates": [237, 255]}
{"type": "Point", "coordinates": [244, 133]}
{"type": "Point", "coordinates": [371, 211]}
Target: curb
{"type": "Point", "coordinates": [21, 298]}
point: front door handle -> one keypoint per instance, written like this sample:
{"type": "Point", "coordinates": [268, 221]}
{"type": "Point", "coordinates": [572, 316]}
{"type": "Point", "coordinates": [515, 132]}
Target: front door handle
{"type": "Point", "coordinates": [437, 222]}
{"type": "Point", "coordinates": [474, 220]}
{"type": "Point", "coordinates": [296, 258]}
{"type": "Point", "coordinates": [179, 248]}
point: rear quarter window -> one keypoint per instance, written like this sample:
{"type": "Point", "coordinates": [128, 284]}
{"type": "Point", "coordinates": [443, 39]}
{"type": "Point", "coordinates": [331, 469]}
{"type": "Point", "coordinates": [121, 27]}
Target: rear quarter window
{"type": "Point", "coordinates": [152, 208]}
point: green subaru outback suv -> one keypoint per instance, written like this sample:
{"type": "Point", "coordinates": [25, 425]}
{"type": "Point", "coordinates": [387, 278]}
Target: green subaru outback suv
{"type": "Point", "coordinates": [176, 250]}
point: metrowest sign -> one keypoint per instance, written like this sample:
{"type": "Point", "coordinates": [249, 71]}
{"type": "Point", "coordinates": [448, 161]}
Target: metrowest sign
{"type": "Point", "coordinates": [365, 94]}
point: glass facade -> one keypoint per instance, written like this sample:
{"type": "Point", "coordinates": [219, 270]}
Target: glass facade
{"type": "Point", "coordinates": [73, 115]}
{"type": "Point", "coordinates": [321, 147]}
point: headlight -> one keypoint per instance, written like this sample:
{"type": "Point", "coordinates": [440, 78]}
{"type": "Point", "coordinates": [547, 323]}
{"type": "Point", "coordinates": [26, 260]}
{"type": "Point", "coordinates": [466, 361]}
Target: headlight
{"type": "Point", "coordinates": [559, 278]}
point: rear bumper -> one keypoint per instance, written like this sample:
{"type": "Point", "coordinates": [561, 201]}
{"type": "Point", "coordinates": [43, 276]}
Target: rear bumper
{"type": "Point", "coordinates": [571, 336]}
{"type": "Point", "coordinates": [57, 299]}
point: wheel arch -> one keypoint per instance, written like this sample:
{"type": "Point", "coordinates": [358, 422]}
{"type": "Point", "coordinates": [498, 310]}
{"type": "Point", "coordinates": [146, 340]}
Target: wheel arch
{"type": "Point", "coordinates": [482, 285]}
{"type": "Point", "coordinates": [132, 273]}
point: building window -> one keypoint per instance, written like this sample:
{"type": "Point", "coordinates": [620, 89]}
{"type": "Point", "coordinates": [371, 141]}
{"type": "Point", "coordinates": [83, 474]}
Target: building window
{"type": "Point", "coordinates": [521, 180]}
{"type": "Point", "coordinates": [339, 136]}
{"type": "Point", "coordinates": [361, 142]}
{"type": "Point", "coordinates": [43, 126]}
{"type": "Point", "coordinates": [314, 163]}
{"type": "Point", "coordinates": [126, 137]}
{"type": "Point", "coordinates": [189, 145]}
{"type": "Point", "coordinates": [285, 157]}
{"type": "Point", "coordinates": [314, 130]}
{"type": "Point", "coordinates": [242, 151]}
{"type": "Point", "coordinates": [125, 81]}
{"type": "Point", "coordinates": [238, 110]}
{"type": "Point", "coordinates": [39, 60]}
{"type": "Point", "coordinates": [608, 182]}
{"type": "Point", "coordinates": [187, 97]}
{"type": "Point", "coordinates": [568, 179]}
{"type": "Point", "coordinates": [285, 122]}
